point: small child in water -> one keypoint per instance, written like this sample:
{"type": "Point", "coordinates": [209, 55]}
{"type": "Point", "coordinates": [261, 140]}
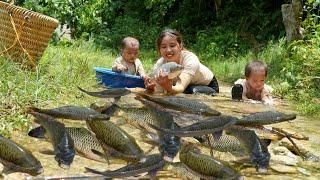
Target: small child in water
{"type": "Point", "coordinates": [128, 62]}
{"type": "Point", "coordinates": [253, 89]}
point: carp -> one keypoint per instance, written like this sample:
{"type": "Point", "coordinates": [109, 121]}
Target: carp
{"type": "Point", "coordinates": [205, 166]}
{"type": "Point", "coordinates": [72, 112]}
{"type": "Point", "coordinates": [180, 170]}
{"type": "Point", "coordinates": [172, 69]}
{"type": "Point", "coordinates": [226, 143]}
{"type": "Point", "coordinates": [115, 141]}
{"type": "Point", "coordinates": [210, 125]}
{"type": "Point", "coordinates": [255, 147]}
{"type": "Point", "coordinates": [143, 117]}
{"type": "Point", "coordinates": [17, 158]}
{"type": "Point", "coordinates": [84, 141]}
{"type": "Point", "coordinates": [182, 104]}
{"type": "Point", "coordinates": [264, 118]}
{"type": "Point", "coordinates": [108, 93]}
{"type": "Point", "coordinates": [61, 140]}
{"type": "Point", "coordinates": [151, 165]}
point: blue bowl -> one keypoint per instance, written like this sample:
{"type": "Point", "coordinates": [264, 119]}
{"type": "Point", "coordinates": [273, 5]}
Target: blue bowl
{"type": "Point", "coordinates": [117, 80]}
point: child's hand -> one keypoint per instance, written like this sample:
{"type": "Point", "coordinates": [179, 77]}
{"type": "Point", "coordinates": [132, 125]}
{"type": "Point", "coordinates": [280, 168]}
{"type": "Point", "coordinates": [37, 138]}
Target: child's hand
{"type": "Point", "coordinates": [121, 68]}
{"type": "Point", "coordinates": [268, 102]}
{"type": "Point", "coordinates": [252, 101]}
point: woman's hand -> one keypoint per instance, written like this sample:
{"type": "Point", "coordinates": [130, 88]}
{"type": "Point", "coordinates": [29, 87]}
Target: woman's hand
{"type": "Point", "coordinates": [163, 80]}
{"type": "Point", "coordinates": [149, 83]}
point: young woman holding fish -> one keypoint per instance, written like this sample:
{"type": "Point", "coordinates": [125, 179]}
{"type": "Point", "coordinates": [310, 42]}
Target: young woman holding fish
{"type": "Point", "coordinates": [195, 77]}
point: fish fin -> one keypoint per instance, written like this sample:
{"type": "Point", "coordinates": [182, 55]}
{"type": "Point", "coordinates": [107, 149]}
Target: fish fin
{"type": "Point", "coordinates": [217, 135]}
{"type": "Point", "coordinates": [98, 153]}
{"type": "Point", "coordinates": [38, 132]}
{"type": "Point", "coordinates": [93, 171]}
{"type": "Point", "coordinates": [150, 149]}
{"type": "Point", "coordinates": [47, 152]}
{"type": "Point", "coordinates": [147, 102]}
{"type": "Point", "coordinates": [106, 150]}
{"type": "Point", "coordinates": [32, 109]}
{"type": "Point", "coordinates": [82, 89]}
{"type": "Point", "coordinates": [158, 128]}
{"type": "Point", "coordinates": [152, 136]}
{"type": "Point", "coordinates": [113, 152]}
{"type": "Point", "coordinates": [111, 110]}
{"type": "Point", "coordinates": [152, 174]}
{"type": "Point", "coordinates": [211, 149]}
{"type": "Point", "coordinates": [267, 142]}
{"type": "Point", "coordinates": [116, 99]}
{"type": "Point", "coordinates": [201, 139]}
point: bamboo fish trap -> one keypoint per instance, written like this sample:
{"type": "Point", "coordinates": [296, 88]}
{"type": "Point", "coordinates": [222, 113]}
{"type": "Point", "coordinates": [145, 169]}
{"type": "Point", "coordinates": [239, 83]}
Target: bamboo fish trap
{"type": "Point", "coordinates": [24, 34]}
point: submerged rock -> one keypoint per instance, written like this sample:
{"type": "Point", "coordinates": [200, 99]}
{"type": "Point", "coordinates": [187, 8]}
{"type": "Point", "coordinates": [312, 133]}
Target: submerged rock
{"type": "Point", "coordinates": [1, 168]}
{"type": "Point", "coordinates": [282, 155]}
{"type": "Point", "coordinates": [284, 169]}
{"type": "Point", "coordinates": [303, 171]}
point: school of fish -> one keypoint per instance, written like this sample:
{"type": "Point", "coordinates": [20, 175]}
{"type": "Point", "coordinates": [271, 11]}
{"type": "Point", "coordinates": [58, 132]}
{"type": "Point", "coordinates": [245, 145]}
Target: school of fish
{"type": "Point", "coordinates": [103, 139]}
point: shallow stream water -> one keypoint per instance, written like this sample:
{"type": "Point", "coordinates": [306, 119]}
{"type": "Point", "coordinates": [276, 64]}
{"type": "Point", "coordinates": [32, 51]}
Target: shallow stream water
{"type": "Point", "coordinates": [304, 125]}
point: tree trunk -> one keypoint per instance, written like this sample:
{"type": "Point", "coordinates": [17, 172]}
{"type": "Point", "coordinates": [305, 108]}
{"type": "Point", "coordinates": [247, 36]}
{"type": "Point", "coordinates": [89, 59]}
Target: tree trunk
{"type": "Point", "coordinates": [292, 21]}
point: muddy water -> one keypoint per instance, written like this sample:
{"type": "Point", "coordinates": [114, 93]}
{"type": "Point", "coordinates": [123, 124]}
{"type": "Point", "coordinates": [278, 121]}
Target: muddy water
{"type": "Point", "coordinates": [304, 125]}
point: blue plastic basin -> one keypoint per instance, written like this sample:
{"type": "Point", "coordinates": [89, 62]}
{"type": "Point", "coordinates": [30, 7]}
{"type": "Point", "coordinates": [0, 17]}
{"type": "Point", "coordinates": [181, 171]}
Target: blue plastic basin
{"type": "Point", "coordinates": [117, 80]}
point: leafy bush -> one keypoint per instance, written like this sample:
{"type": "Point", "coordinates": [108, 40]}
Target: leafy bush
{"type": "Point", "coordinates": [128, 26]}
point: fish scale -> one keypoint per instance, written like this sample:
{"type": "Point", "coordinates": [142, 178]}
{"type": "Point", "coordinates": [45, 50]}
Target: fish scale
{"type": "Point", "coordinates": [72, 112]}
{"type": "Point", "coordinates": [84, 141]}
{"type": "Point", "coordinates": [256, 148]}
{"type": "Point", "coordinates": [18, 158]}
{"type": "Point", "coordinates": [142, 117]}
{"type": "Point", "coordinates": [113, 136]}
{"type": "Point", "coordinates": [182, 104]}
{"type": "Point", "coordinates": [207, 126]}
{"type": "Point", "coordinates": [225, 143]}
{"type": "Point", "coordinates": [205, 166]}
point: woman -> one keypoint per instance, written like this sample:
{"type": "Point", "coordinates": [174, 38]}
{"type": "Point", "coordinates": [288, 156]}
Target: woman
{"type": "Point", "coordinates": [195, 77]}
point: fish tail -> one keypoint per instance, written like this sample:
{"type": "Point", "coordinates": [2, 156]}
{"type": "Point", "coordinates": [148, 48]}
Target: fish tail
{"type": "Point", "coordinates": [143, 95]}
{"type": "Point", "coordinates": [38, 132]}
{"type": "Point", "coordinates": [32, 110]}
{"type": "Point", "coordinates": [82, 89]}
{"type": "Point", "coordinates": [158, 128]}
{"type": "Point", "coordinates": [93, 171]}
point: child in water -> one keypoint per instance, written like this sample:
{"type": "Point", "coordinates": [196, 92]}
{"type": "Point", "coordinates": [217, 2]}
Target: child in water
{"type": "Point", "coordinates": [253, 89]}
{"type": "Point", "coordinates": [128, 62]}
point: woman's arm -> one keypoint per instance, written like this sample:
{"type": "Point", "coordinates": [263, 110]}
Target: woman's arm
{"type": "Point", "coordinates": [167, 84]}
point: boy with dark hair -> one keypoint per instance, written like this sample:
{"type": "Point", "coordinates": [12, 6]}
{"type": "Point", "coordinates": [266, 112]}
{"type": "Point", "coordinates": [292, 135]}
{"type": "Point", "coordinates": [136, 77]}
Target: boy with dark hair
{"type": "Point", "coordinates": [253, 89]}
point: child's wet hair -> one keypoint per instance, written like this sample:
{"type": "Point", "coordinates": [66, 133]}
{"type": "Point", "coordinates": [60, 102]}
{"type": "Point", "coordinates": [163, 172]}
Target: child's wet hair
{"type": "Point", "coordinates": [129, 42]}
{"type": "Point", "coordinates": [255, 65]}
{"type": "Point", "coordinates": [172, 33]}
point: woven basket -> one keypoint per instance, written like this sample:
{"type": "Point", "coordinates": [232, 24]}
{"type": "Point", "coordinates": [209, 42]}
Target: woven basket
{"type": "Point", "coordinates": [24, 34]}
